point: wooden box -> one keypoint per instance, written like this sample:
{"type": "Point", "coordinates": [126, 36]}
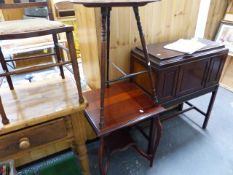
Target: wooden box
{"type": "Point", "coordinates": [180, 77]}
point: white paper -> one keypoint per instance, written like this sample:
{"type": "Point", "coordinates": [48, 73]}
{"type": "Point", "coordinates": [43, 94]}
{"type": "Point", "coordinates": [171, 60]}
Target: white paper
{"type": "Point", "coordinates": [185, 45]}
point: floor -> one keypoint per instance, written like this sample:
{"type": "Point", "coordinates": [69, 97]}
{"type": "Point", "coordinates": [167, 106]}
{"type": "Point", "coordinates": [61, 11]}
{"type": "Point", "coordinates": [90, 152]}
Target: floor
{"type": "Point", "coordinates": [185, 149]}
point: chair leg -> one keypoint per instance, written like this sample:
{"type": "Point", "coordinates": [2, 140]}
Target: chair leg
{"type": "Point", "coordinates": [70, 40]}
{"type": "Point", "coordinates": [155, 136]}
{"type": "Point", "coordinates": [5, 120]}
{"type": "Point", "coordinates": [145, 51]}
{"type": "Point", "coordinates": [58, 54]}
{"type": "Point", "coordinates": [4, 67]}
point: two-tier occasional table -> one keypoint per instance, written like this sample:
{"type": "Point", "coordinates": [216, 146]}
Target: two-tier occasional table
{"type": "Point", "coordinates": [116, 106]}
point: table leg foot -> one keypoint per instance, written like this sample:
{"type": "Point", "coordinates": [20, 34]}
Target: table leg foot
{"type": "Point", "coordinates": [80, 141]}
{"type": "Point", "coordinates": [210, 107]}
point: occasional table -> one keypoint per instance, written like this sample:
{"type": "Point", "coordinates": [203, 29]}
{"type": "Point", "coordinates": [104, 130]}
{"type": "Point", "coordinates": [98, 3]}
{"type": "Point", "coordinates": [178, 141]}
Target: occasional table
{"type": "Point", "coordinates": [116, 106]}
{"type": "Point", "coordinates": [45, 117]}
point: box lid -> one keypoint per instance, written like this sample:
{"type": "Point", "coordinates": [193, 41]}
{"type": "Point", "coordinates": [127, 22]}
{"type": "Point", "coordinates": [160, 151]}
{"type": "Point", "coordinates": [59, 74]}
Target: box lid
{"type": "Point", "coordinates": [159, 52]}
{"type": "Point", "coordinates": [161, 56]}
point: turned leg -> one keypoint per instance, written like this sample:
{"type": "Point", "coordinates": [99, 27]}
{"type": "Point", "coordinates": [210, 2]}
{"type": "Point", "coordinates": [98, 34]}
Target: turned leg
{"type": "Point", "coordinates": [145, 50]}
{"type": "Point", "coordinates": [210, 107]}
{"type": "Point", "coordinates": [58, 54]}
{"type": "Point", "coordinates": [104, 13]}
{"type": "Point", "coordinates": [108, 42]}
{"type": "Point", "coordinates": [80, 141]}
{"type": "Point", "coordinates": [4, 67]}
{"type": "Point", "coordinates": [155, 136]}
{"type": "Point", "coordinates": [3, 114]}
{"type": "Point", "coordinates": [70, 39]}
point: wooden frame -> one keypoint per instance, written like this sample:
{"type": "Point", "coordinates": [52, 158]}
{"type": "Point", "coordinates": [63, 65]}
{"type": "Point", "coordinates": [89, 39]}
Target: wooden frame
{"type": "Point", "coordinates": [225, 35]}
{"type": "Point", "coordinates": [60, 61]}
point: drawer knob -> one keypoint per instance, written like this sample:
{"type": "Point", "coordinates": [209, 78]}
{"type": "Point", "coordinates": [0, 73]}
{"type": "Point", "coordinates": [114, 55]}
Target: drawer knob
{"type": "Point", "coordinates": [24, 143]}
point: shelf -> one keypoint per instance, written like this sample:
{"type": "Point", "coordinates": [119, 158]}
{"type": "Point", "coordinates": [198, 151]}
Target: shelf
{"type": "Point", "coordinates": [125, 104]}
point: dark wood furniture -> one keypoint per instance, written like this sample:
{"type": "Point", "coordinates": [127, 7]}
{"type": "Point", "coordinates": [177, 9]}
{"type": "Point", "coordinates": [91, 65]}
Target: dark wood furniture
{"type": "Point", "coordinates": [115, 107]}
{"type": "Point", "coordinates": [19, 29]}
{"type": "Point", "coordinates": [125, 105]}
{"type": "Point", "coordinates": [180, 77]}
{"type": "Point", "coordinates": [5, 120]}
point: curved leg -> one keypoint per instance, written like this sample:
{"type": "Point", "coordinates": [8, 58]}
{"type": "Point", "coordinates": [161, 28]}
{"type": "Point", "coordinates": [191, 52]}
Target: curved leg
{"type": "Point", "coordinates": [102, 167]}
{"type": "Point", "coordinates": [156, 132]}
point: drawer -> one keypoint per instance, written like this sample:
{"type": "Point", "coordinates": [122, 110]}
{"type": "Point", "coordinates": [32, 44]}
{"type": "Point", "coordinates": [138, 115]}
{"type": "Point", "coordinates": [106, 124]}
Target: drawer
{"type": "Point", "coordinates": [32, 137]}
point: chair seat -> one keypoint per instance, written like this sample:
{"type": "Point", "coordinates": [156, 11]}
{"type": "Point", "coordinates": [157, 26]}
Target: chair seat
{"type": "Point", "coordinates": [28, 25]}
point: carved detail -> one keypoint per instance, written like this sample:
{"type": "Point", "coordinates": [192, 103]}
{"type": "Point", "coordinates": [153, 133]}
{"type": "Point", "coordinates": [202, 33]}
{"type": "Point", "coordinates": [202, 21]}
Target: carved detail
{"type": "Point", "coordinates": [108, 42]}
{"type": "Point", "coordinates": [104, 14]}
{"type": "Point", "coordinates": [144, 47]}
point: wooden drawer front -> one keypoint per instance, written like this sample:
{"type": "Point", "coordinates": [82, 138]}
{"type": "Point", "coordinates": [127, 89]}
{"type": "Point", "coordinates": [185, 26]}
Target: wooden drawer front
{"type": "Point", "coordinates": [36, 136]}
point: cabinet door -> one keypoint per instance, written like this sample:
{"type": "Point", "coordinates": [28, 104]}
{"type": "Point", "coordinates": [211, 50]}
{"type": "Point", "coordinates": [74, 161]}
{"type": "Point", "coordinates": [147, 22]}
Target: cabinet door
{"type": "Point", "coordinates": [215, 69]}
{"type": "Point", "coordinates": [192, 77]}
{"type": "Point", "coordinates": [166, 84]}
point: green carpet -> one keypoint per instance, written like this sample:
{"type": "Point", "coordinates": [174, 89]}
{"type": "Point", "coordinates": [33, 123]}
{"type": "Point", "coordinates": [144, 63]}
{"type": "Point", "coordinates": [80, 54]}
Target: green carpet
{"type": "Point", "coordinates": [63, 164]}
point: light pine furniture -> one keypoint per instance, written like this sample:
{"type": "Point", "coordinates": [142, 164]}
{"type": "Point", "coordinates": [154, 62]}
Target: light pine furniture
{"type": "Point", "coordinates": [45, 117]}
{"type": "Point", "coordinates": [226, 79]}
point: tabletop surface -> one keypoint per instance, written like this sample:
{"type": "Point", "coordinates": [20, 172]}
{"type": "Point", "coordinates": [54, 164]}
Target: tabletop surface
{"type": "Point", "coordinates": [125, 104]}
{"type": "Point", "coordinates": [102, 3]}
{"type": "Point", "coordinates": [36, 102]}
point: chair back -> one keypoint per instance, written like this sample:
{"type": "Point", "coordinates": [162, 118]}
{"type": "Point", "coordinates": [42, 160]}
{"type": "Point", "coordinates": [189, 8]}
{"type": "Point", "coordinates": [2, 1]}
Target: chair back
{"type": "Point", "coordinates": [21, 5]}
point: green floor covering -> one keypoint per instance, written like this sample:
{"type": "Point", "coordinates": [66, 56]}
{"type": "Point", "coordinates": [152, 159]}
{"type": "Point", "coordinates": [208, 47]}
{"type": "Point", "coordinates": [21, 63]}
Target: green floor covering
{"type": "Point", "coordinates": [63, 164]}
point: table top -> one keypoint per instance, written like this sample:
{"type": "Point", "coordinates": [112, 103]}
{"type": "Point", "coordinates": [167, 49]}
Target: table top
{"type": "Point", "coordinates": [125, 104]}
{"type": "Point", "coordinates": [112, 3]}
{"type": "Point", "coordinates": [37, 102]}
